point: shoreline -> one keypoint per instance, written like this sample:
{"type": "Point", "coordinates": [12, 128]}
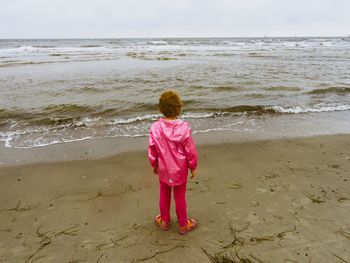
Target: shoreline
{"type": "Point", "coordinates": [243, 129]}
{"type": "Point", "coordinates": [98, 148]}
{"type": "Point", "coordinates": [284, 200]}
{"type": "Point", "coordinates": [253, 127]}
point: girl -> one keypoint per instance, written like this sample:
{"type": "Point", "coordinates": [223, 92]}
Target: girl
{"type": "Point", "coordinates": [171, 152]}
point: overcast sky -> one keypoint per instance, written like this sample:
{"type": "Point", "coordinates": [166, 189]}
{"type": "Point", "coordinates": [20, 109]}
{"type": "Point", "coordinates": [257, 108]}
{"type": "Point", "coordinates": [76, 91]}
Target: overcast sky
{"type": "Point", "coordinates": [172, 18]}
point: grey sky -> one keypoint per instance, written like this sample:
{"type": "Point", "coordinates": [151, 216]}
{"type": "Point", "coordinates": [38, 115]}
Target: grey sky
{"type": "Point", "coordinates": [172, 18]}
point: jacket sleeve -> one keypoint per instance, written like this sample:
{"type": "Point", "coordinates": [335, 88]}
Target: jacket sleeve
{"type": "Point", "coordinates": [190, 151]}
{"type": "Point", "coordinates": [152, 151]}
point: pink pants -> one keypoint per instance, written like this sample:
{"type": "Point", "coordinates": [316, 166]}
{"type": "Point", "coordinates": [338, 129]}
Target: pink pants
{"type": "Point", "coordinates": [180, 202]}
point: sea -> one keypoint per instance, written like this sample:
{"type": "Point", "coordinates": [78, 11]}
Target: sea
{"type": "Point", "coordinates": [64, 90]}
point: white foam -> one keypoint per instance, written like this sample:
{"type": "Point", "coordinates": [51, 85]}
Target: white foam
{"type": "Point", "coordinates": [158, 42]}
{"type": "Point", "coordinates": [40, 142]}
{"type": "Point", "coordinates": [8, 142]}
{"type": "Point", "coordinates": [26, 48]}
{"type": "Point", "coordinates": [198, 47]}
{"type": "Point", "coordinates": [314, 109]}
{"type": "Point", "coordinates": [57, 50]}
{"type": "Point", "coordinates": [135, 119]}
{"type": "Point", "coordinates": [198, 115]}
{"type": "Point", "coordinates": [152, 117]}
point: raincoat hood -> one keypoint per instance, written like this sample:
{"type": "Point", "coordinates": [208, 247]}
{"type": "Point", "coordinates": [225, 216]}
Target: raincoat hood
{"type": "Point", "coordinates": [174, 130]}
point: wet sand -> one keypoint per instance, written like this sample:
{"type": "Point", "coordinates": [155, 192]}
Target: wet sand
{"type": "Point", "coordinates": [285, 200]}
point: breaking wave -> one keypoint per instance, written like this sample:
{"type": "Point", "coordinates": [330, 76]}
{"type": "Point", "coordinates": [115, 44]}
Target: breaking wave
{"type": "Point", "coordinates": [335, 90]}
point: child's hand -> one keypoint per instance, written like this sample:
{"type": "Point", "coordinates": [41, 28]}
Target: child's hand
{"type": "Point", "coordinates": [193, 174]}
{"type": "Point", "coordinates": [155, 171]}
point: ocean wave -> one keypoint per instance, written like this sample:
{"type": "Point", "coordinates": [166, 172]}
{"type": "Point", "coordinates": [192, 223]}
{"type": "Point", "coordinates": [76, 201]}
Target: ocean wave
{"type": "Point", "coordinates": [69, 113]}
{"type": "Point", "coordinates": [250, 109]}
{"type": "Point", "coordinates": [73, 115]}
{"type": "Point", "coordinates": [144, 107]}
{"type": "Point", "coordinates": [224, 54]}
{"type": "Point", "coordinates": [70, 109]}
{"type": "Point", "coordinates": [7, 115]}
{"type": "Point", "coordinates": [198, 115]}
{"type": "Point", "coordinates": [92, 50]}
{"type": "Point", "coordinates": [336, 90]}
{"type": "Point", "coordinates": [275, 109]}
{"type": "Point", "coordinates": [66, 59]}
{"type": "Point", "coordinates": [225, 88]}
{"type": "Point", "coordinates": [47, 131]}
{"type": "Point", "coordinates": [24, 63]}
{"type": "Point", "coordinates": [110, 121]}
{"type": "Point", "coordinates": [44, 46]}
{"type": "Point", "coordinates": [182, 55]}
{"type": "Point", "coordinates": [313, 109]}
{"type": "Point", "coordinates": [90, 46]}
{"type": "Point", "coordinates": [149, 56]}
{"type": "Point", "coordinates": [158, 42]}
{"type": "Point", "coordinates": [51, 121]}
{"type": "Point", "coordinates": [27, 48]}
{"type": "Point", "coordinates": [198, 87]}
{"type": "Point", "coordinates": [282, 88]}
{"type": "Point", "coordinates": [260, 55]}
{"type": "Point", "coordinates": [88, 89]}
{"type": "Point", "coordinates": [233, 43]}
{"type": "Point", "coordinates": [220, 88]}
{"type": "Point", "coordinates": [57, 54]}
{"type": "Point", "coordinates": [147, 117]}
{"type": "Point", "coordinates": [81, 111]}
{"type": "Point", "coordinates": [50, 114]}
{"type": "Point", "coordinates": [70, 130]}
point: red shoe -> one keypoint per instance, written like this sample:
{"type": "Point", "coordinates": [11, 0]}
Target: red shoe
{"type": "Point", "coordinates": [162, 224]}
{"type": "Point", "coordinates": [191, 224]}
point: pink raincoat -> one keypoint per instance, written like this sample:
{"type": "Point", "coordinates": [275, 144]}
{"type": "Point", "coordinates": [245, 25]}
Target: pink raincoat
{"type": "Point", "coordinates": [171, 150]}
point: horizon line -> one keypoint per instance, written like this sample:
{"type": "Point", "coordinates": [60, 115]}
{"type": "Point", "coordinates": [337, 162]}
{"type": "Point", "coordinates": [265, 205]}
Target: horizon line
{"type": "Point", "coordinates": [187, 37]}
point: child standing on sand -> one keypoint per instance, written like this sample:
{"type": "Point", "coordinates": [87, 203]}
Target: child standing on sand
{"type": "Point", "coordinates": [171, 152]}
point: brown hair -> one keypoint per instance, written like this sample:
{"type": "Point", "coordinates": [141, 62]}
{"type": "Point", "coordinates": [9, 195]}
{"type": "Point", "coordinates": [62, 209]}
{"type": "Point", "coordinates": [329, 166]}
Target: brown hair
{"type": "Point", "coordinates": [170, 103]}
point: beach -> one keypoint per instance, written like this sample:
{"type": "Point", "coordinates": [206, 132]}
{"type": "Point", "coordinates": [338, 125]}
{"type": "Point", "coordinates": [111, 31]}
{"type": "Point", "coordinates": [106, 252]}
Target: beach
{"type": "Point", "coordinates": [270, 116]}
{"type": "Point", "coordinates": [266, 200]}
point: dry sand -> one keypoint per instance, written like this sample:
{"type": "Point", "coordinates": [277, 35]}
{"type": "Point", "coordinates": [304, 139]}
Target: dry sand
{"type": "Point", "coordinates": [282, 200]}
